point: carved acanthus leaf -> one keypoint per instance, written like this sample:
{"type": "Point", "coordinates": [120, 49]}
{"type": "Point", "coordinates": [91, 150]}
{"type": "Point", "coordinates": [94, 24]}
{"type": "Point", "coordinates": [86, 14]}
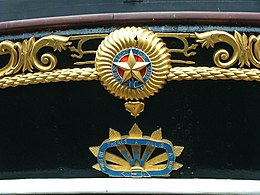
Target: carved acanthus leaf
{"type": "Point", "coordinates": [24, 55]}
{"type": "Point", "coordinates": [207, 39]}
{"type": "Point", "coordinates": [243, 44]}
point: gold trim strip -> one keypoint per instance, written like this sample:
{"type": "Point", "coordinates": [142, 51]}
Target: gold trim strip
{"type": "Point", "coordinates": [89, 74]}
{"type": "Point", "coordinates": [24, 57]}
{"type": "Point", "coordinates": [213, 73]}
{"type": "Point", "coordinates": [75, 74]}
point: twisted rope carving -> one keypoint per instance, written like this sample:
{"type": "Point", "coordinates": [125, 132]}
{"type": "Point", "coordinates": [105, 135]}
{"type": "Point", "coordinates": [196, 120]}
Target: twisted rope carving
{"type": "Point", "coordinates": [213, 73]}
{"type": "Point", "coordinates": [88, 74]}
{"type": "Point", "coordinates": [75, 74]}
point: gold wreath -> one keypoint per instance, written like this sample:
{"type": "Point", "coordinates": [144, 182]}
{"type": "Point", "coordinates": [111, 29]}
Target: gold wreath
{"type": "Point", "coordinates": [132, 37]}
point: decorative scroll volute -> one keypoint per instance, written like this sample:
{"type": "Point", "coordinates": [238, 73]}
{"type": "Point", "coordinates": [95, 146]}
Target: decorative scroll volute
{"type": "Point", "coordinates": [8, 47]}
{"type": "Point", "coordinates": [254, 50]}
{"type": "Point", "coordinates": [209, 39]}
{"type": "Point", "coordinates": [24, 55]}
{"type": "Point", "coordinates": [245, 50]}
{"type": "Point", "coordinates": [48, 60]}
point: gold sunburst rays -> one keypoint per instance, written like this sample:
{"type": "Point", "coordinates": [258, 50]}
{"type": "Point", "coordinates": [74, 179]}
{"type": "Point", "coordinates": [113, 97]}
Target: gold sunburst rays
{"type": "Point", "coordinates": [114, 161]}
{"type": "Point", "coordinates": [147, 42]}
{"type": "Point", "coordinates": [154, 163]}
{"type": "Point", "coordinates": [123, 85]}
{"type": "Point", "coordinates": [136, 150]}
{"type": "Point", "coordinates": [135, 132]}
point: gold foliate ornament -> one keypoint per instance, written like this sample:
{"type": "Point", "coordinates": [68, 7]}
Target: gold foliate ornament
{"type": "Point", "coordinates": [25, 66]}
{"type": "Point", "coordinates": [24, 55]}
{"type": "Point", "coordinates": [245, 49]}
{"type": "Point", "coordinates": [135, 154]}
{"type": "Point", "coordinates": [135, 108]}
{"type": "Point", "coordinates": [132, 63]}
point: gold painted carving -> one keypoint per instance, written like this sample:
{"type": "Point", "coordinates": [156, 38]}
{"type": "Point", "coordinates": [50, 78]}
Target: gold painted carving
{"type": "Point", "coordinates": [23, 56]}
{"type": "Point", "coordinates": [78, 51]}
{"type": "Point", "coordinates": [74, 74]}
{"type": "Point", "coordinates": [141, 39]}
{"type": "Point", "coordinates": [135, 108]}
{"type": "Point", "coordinates": [137, 160]}
{"type": "Point", "coordinates": [213, 73]}
{"type": "Point", "coordinates": [246, 50]}
{"type": "Point", "coordinates": [188, 50]}
{"type": "Point", "coordinates": [89, 74]}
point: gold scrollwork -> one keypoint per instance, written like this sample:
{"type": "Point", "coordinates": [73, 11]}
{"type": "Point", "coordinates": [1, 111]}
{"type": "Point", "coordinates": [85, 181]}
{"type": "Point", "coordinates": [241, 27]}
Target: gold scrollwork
{"type": "Point", "coordinates": [245, 50]}
{"type": "Point", "coordinates": [79, 52]}
{"type": "Point", "coordinates": [187, 50]}
{"type": "Point", "coordinates": [254, 50]}
{"type": "Point", "coordinates": [23, 55]}
{"type": "Point", "coordinates": [221, 57]}
{"type": "Point", "coordinates": [48, 60]}
{"type": "Point", "coordinates": [8, 47]}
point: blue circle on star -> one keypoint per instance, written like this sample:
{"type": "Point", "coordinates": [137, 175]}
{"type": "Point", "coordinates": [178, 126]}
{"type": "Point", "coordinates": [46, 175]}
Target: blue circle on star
{"type": "Point", "coordinates": [145, 72]}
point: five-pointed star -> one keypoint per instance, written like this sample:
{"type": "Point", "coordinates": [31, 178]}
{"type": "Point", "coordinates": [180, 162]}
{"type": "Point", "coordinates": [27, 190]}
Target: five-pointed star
{"type": "Point", "coordinates": [131, 68]}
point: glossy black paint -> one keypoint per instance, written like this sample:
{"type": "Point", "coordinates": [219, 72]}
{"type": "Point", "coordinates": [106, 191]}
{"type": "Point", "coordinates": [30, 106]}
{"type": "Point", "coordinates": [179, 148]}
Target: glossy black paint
{"type": "Point", "coordinates": [46, 129]}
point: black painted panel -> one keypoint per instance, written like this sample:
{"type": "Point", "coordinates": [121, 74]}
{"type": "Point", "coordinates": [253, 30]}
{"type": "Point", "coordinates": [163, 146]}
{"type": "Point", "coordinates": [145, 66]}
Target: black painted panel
{"type": "Point", "coordinates": [46, 129]}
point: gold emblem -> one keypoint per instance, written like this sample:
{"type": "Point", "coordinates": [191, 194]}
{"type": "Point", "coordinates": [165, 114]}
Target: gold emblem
{"type": "Point", "coordinates": [29, 66]}
{"type": "Point", "coordinates": [138, 161]}
{"type": "Point", "coordinates": [135, 108]}
{"type": "Point", "coordinates": [132, 68]}
{"type": "Point", "coordinates": [132, 63]}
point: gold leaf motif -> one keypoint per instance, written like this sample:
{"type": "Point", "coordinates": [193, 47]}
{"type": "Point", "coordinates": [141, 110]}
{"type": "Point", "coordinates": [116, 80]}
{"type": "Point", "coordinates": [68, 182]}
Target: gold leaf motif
{"type": "Point", "coordinates": [24, 56]}
{"type": "Point", "coordinates": [48, 61]}
{"type": "Point", "coordinates": [26, 61]}
{"type": "Point", "coordinates": [254, 51]}
{"type": "Point", "coordinates": [113, 134]}
{"type": "Point", "coordinates": [243, 44]}
{"type": "Point", "coordinates": [178, 150]}
{"type": "Point", "coordinates": [221, 57]}
{"type": "Point", "coordinates": [207, 39]}
{"type": "Point", "coordinates": [245, 50]}
{"type": "Point", "coordinates": [177, 166]}
{"type": "Point", "coordinates": [94, 150]}
{"type": "Point", "coordinates": [97, 167]}
{"type": "Point", "coordinates": [135, 132]}
{"type": "Point", "coordinates": [60, 44]}
{"type": "Point", "coordinates": [135, 108]}
{"type": "Point", "coordinates": [157, 135]}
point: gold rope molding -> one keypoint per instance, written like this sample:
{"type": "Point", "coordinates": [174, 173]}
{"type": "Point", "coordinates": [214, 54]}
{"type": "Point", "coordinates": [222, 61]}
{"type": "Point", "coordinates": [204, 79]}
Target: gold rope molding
{"type": "Point", "coordinates": [88, 74]}
{"type": "Point", "coordinates": [213, 73]}
{"type": "Point", "coordinates": [24, 58]}
{"type": "Point", "coordinates": [74, 74]}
